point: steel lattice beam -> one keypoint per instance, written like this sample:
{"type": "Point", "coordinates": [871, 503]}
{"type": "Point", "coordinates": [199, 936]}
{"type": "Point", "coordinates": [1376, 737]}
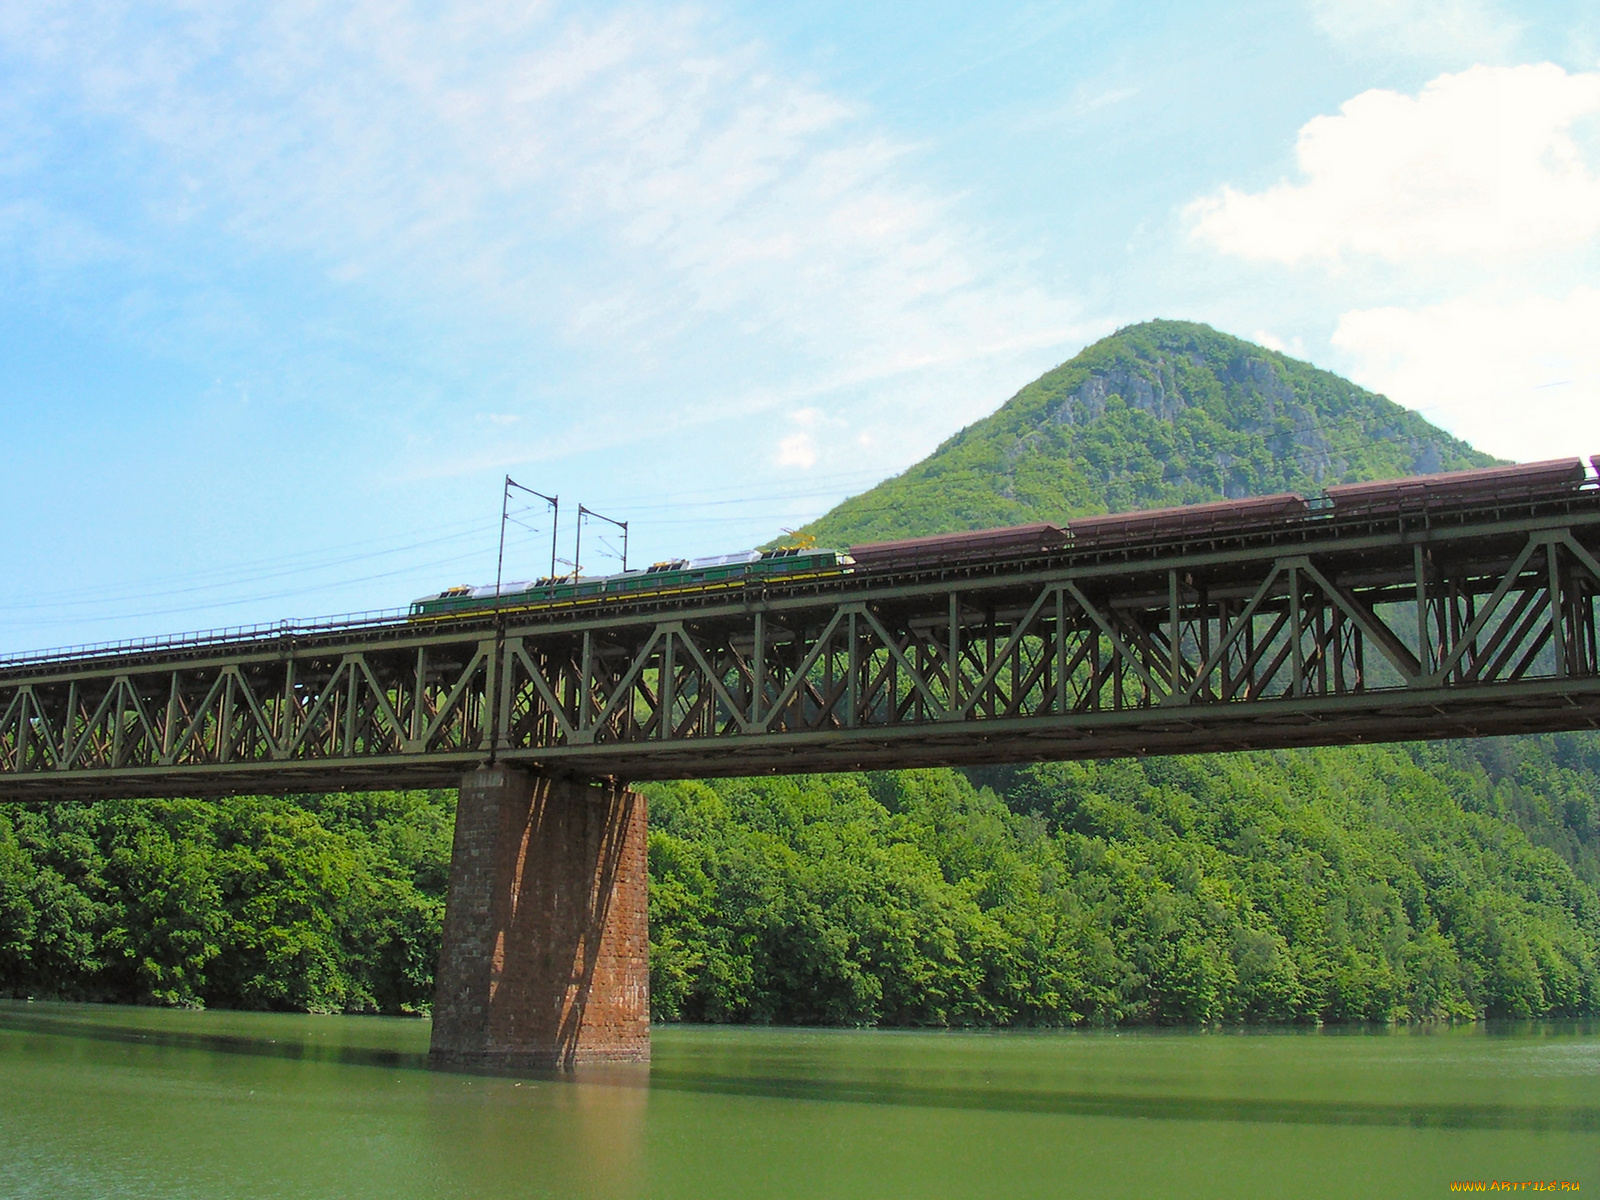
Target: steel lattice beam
{"type": "Point", "coordinates": [1472, 627]}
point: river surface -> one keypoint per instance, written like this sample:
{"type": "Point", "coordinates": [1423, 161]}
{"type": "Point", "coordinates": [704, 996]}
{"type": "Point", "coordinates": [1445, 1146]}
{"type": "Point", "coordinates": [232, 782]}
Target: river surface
{"type": "Point", "coordinates": [101, 1101]}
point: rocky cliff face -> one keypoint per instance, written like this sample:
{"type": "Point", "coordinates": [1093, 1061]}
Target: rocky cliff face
{"type": "Point", "coordinates": [1279, 412]}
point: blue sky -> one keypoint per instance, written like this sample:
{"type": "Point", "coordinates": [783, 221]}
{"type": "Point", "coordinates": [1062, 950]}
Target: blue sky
{"type": "Point", "coordinates": [288, 289]}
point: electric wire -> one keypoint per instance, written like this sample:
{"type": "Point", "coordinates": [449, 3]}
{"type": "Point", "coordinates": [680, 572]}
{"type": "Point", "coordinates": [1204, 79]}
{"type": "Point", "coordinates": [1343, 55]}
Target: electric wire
{"type": "Point", "coordinates": [257, 599]}
{"type": "Point", "coordinates": [57, 601]}
{"type": "Point", "coordinates": [209, 580]}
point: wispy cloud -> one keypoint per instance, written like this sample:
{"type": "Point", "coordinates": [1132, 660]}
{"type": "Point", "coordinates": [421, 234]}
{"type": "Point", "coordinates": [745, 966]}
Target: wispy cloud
{"type": "Point", "coordinates": [1084, 100]}
{"type": "Point", "coordinates": [1432, 29]}
{"type": "Point", "coordinates": [643, 186]}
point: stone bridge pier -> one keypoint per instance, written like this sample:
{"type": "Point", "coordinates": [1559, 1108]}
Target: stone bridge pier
{"type": "Point", "coordinates": [545, 960]}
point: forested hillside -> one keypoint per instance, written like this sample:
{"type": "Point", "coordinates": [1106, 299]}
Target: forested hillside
{"type": "Point", "coordinates": [1364, 883]}
{"type": "Point", "coordinates": [1384, 884]}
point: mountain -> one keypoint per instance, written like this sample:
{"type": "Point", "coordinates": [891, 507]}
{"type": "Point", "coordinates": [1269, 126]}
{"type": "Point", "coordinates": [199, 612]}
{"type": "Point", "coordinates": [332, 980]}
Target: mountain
{"type": "Point", "coordinates": [1167, 412]}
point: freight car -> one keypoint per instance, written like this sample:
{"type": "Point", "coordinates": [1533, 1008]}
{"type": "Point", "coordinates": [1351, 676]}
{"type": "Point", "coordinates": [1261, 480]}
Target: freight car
{"type": "Point", "coordinates": [1185, 522]}
{"type": "Point", "coordinates": [1486, 486]}
{"type": "Point", "coordinates": [1189, 521]}
{"type": "Point", "coordinates": [1521, 483]}
{"type": "Point", "coordinates": [978, 546]}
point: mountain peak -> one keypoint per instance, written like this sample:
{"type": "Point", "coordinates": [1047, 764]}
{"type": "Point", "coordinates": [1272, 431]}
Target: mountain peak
{"type": "Point", "coordinates": [1163, 412]}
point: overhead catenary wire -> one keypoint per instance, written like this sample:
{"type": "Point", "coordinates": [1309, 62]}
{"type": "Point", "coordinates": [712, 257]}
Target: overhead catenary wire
{"type": "Point", "coordinates": [224, 604]}
{"type": "Point", "coordinates": [211, 579]}
{"type": "Point", "coordinates": [206, 581]}
{"type": "Point", "coordinates": [58, 600]}
{"type": "Point", "coordinates": [194, 581]}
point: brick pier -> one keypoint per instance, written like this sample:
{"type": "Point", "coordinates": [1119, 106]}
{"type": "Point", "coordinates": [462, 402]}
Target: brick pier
{"type": "Point", "coordinates": [545, 960]}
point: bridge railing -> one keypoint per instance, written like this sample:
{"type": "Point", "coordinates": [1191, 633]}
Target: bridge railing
{"type": "Point", "coordinates": [262, 631]}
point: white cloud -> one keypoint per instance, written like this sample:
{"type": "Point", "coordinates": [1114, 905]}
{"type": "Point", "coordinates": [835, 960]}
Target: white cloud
{"type": "Point", "coordinates": [1424, 28]}
{"type": "Point", "coordinates": [1484, 162]}
{"type": "Point", "coordinates": [1518, 377]}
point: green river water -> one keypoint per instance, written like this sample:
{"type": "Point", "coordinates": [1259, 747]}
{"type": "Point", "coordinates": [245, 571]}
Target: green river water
{"type": "Point", "coordinates": [121, 1102]}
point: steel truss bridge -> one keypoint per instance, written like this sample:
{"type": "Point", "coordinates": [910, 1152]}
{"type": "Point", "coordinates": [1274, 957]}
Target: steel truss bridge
{"type": "Point", "coordinates": [1457, 622]}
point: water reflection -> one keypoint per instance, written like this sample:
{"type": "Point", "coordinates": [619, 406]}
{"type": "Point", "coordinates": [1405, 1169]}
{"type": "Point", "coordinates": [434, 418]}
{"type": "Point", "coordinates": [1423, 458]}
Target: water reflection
{"type": "Point", "coordinates": [1440, 1115]}
{"type": "Point", "coordinates": [614, 1095]}
{"type": "Point", "coordinates": [213, 1043]}
{"type": "Point", "coordinates": [541, 1135]}
{"type": "Point", "coordinates": [99, 1101]}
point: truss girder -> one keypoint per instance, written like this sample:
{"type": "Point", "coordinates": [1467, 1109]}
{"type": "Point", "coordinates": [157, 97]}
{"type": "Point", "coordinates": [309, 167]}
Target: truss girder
{"type": "Point", "coordinates": [1477, 632]}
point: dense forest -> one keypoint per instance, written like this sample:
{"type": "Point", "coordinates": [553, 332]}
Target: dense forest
{"type": "Point", "coordinates": [1361, 883]}
{"type": "Point", "coordinates": [1369, 883]}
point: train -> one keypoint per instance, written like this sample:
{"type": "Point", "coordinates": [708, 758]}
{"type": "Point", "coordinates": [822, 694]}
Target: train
{"type": "Point", "coordinates": [716, 572]}
{"type": "Point", "coordinates": [1413, 496]}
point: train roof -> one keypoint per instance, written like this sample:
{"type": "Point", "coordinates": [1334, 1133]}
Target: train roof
{"type": "Point", "coordinates": [723, 560]}
{"type": "Point", "coordinates": [1517, 481]}
{"type": "Point", "coordinates": [1038, 535]}
{"type": "Point", "coordinates": [1185, 516]}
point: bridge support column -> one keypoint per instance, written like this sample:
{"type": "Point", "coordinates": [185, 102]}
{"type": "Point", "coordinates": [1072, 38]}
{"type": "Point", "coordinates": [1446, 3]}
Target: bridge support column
{"type": "Point", "coordinates": [545, 960]}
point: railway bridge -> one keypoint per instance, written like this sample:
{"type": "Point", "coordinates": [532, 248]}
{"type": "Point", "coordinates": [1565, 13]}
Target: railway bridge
{"type": "Point", "coordinates": [1457, 606]}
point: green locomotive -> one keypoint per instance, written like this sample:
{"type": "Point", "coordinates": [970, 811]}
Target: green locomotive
{"type": "Point", "coordinates": [789, 564]}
